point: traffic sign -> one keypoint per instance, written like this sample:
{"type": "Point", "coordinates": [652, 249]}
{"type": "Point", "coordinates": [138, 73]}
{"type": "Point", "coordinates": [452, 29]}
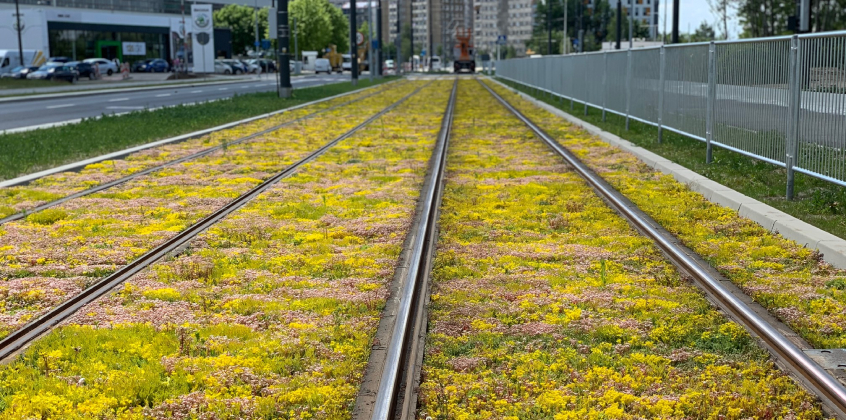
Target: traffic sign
{"type": "Point", "coordinates": [359, 38]}
{"type": "Point", "coordinates": [502, 40]}
{"type": "Point", "coordinates": [374, 44]}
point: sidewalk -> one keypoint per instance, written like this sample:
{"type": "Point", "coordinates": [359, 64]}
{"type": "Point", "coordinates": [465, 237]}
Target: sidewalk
{"type": "Point", "coordinates": [115, 81]}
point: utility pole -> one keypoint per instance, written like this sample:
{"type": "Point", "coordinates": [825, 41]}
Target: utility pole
{"type": "Point", "coordinates": [675, 39]}
{"type": "Point", "coordinates": [283, 36]}
{"type": "Point", "coordinates": [255, 15]}
{"type": "Point", "coordinates": [631, 24]}
{"type": "Point", "coordinates": [370, 39]}
{"type": "Point", "coordinates": [379, 38]}
{"type": "Point", "coordinates": [20, 40]}
{"type": "Point", "coordinates": [353, 43]}
{"type": "Point", "coordinates": [619, 23]}
{"type": "Point", "coordinates": [184, 41]}
{"type": "Point", "coordinates": [398, 39]}
{"type": "Point", "coordinates": [548, 27]}
{"type": "Point", "coordinates": [566, 48]}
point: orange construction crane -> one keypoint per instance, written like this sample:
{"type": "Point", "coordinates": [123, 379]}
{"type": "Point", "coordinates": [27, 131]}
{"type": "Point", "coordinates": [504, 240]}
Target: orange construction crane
{"type": "Point", "coordinates": [464, 52]}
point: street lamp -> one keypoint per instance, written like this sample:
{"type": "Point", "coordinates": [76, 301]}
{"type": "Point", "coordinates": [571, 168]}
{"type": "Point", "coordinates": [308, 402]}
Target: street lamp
{"type": "Point", "coordinates": [20, 40]}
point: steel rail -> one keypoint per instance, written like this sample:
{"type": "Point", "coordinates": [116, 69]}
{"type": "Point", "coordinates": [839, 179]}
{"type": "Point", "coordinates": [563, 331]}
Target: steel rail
{"type": "Point", "coordinates": [822, 384]}
{"type": "Point", "coordinates": [21, 337]}
{"type": "Point", "coordinates": [204, 152]}
{"type": "Point", "coordinates": [389, 384]}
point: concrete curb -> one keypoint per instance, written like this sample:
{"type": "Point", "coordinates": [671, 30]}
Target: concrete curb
{"type": "Point", "coordinates": [72, 94]}
{"type": "Point", "coordinates": [115, 155]}
{"type": "Point", "coordinates": [832, 247]}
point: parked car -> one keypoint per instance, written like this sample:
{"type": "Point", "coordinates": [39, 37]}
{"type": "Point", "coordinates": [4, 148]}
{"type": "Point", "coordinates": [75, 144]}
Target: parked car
{"type": "Point", "coordinates": [157, 65]}
{"type": "Point", "coordinates": [19, 72]}
{"type": "Point", "coordinates": [106, 67]}
{"type": "Point", "coordinates": [56, 71]}
{"type": "Point", "coordinates": [140, 65]}
{"type": "Point", "coordinates": [57, 60]}
{"type": "Point", "coordinates": [251, 67]}
{"type": "Point", "coordinates": [236, 66]}
{"type": "Point", "coordinates": [84, 69]}
{"type": "Point", "coordinates": [266, 65]}
{"type": "Point", "coordinates": [322, 65]}
{"type": "Point", "coordinates": [222, 68]}
{"type": "Point", "coordinates": [389, 66]}
{"type": "Point", "coordinates": [346, 65]}
{"type": "Point", "coordinates": [43, 71]}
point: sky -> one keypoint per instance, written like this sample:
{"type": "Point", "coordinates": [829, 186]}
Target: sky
{"type": "Point", "coordinates": [692, 13]}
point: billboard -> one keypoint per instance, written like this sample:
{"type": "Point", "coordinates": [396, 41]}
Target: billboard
{"type": "Point", "coordinates": [203, 38]}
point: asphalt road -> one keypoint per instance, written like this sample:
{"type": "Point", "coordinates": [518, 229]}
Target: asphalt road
{"type": "Point", "coordinates": [45, 111]}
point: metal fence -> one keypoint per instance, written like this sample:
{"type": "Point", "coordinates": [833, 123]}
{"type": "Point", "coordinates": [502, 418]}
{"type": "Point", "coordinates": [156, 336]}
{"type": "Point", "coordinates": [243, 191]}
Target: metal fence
{"type": "Point", "coordinates": [781, 99]}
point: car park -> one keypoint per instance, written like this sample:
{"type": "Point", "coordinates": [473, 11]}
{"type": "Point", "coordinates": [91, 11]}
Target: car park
{"type": "Point", "coordinates": [267, 66]}
{"type": "Point", "coordinates": [322, 65]}
{"type": "Point", "coordinates": [84, 69]}
{"type": "Point", "coordinates": [138, 66]}
{"type": "Point", "coordinates": [236, 66]}
{"type": "Point", "coordinates": [222, 68]}
{"type": "Point", "coordinates": [106, 67]}
{"type": "Point", "coordinates": [58, 60]}
{"type": "Point", "coordinates": [19, 72]}
{"type": "Point", "coordinates": [251, 67]}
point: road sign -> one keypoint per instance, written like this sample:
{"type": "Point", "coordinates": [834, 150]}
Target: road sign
{"type": "Point", "coordinates": [502, 40]}
{"type": "Point", "coordinates": [359, 38]}
{"type": "Point", "coordinates": [374, 44]}
{"type": "Point", "coordinates": [423, 53]}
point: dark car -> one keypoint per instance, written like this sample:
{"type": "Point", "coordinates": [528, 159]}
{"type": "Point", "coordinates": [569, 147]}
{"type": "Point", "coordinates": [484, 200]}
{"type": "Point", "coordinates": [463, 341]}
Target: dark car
{"type": "Point", "coordinates": [19, 72]}
{"type": "Point", "coordinates": [66, 73]}
{"type": "Point", "coordinates": [58, 60]}
{"type": "Point", "coordinates": [140, 65]}
{"type": "Point", "coordinates": [157, 65]}
{"type": "Point", "coordinates": [84, 69]}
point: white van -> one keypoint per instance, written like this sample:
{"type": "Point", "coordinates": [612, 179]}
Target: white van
{"type": "Point", "coordinates": [436, 64]}
{"type": "Point", "coordinates": [322, 65]}
{"type": "Point", "coordinates": [10, 59]}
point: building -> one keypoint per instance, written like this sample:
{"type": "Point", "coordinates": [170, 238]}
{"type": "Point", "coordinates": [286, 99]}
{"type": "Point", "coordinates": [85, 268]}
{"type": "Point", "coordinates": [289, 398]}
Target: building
{"type": "Point", "coordinates": [129, 30]}
{"type": "Point", "coordinates": [645, 12]}
{"type": "Point", "coordinates": [512, 18]}
{"type": "Point", "coordinates": [433, 23]}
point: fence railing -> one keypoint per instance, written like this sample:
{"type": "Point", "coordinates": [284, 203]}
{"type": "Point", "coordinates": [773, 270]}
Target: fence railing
{"type": "Point", "coordinates": [780, 99]}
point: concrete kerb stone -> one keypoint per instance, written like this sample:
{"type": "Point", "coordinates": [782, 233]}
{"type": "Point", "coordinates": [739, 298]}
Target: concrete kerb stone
{"type": "Point", "coordinates": [832, 247]}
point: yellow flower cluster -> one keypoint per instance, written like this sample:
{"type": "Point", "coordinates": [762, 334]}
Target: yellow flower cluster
{"type": "Point", "coordinates": [791, 281]}
{"type": "Point", "coordinates": [269, 314]}
{"type": "Point", "coordinates": [547, 305]}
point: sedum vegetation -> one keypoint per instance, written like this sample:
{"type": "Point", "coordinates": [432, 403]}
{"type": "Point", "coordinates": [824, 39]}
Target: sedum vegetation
{"type": "Point", "coordinates": [547, 305]}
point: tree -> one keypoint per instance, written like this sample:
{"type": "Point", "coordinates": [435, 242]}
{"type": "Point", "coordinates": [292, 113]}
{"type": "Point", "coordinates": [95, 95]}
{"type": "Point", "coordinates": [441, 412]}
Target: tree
{"type": "Point", "coordinates": [722, 11]}
{"type": "Point", "coordinates": [320, 24]}
{"type": "Point", "coordinates": [704, 32]}
{"type": "Point", "coordinates": [241, 21]}
{"type": "Point", "coordinates": [761, 18]}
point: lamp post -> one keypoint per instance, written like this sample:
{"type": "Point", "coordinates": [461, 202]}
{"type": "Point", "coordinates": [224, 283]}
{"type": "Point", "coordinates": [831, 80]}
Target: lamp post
{"type": "Point", "coordinates": [20, 40]}
{"type": "Point", "coordinates": [283, 40]}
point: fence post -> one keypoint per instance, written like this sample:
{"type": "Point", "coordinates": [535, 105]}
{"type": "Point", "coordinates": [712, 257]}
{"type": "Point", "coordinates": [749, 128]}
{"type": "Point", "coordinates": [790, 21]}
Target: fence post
{"type": "Point", "coordinates": [712, 99]}
{"type": "Point", "coordinates": [628, 85]}
{"type": "Point", "coordinates": [561, 90]}
{"type": "Point", "coordinates": [604, 82]}
{"type": "Point", "coordinates": [586, 88]}
{"type": "Point", "coordinates": [795, 93]}
{"type": "Point", "coordinates": [661, 97]}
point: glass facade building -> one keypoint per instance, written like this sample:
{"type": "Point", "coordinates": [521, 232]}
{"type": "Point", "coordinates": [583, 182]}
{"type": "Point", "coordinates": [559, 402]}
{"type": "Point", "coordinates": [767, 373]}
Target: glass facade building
{"type": "Point", "coordinates": [143, 6]}
{"type": "Point", "coordinates": [105, 42]}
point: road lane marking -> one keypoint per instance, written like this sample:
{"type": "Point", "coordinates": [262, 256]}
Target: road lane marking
{"type": "Point", "coordinates": [60, 106]}
{"type": "Point", "coordinates": [245, 87]}
{"type": "Point", "coordinates": [119, 100]}
{"type": "Point", "coordinates": [223, 89]}
{"type": "Point", "coordinates": [196, 91]}
{"type": "Point", "coordinates": [163, 95]}
{"type": "Point", "coordinates": [125, 107]}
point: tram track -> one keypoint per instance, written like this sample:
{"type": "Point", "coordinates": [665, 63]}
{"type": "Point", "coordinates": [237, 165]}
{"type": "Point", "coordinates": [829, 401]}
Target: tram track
{"type": "Point", "coordinates": [22, 337]}
{"type": "Point", "coordinates": [205, 152]}
{"type": "Point", "coordinates": [810, 374]}
{"type": "Point", "coordinates": [399, 363]}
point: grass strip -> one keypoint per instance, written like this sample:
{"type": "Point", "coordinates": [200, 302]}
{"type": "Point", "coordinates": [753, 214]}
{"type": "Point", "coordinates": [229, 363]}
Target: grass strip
{"type": "Point", "coordinates": [37, 150]}
{"type": "Point", "coordinates": [794, 283]}
{"type": "Point", "coordinates": [268, 315]}
{"type": "Point", "coordinates": [547, 305]}
{"type": "Point", "coordinates": [817, 202]}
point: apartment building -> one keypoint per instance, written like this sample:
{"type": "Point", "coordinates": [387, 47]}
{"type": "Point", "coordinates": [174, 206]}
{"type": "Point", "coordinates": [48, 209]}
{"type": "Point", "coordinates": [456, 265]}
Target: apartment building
{"type": "Point", "coordinates": [645, 12]}
{"type": "Point", "coordinates": [512, 18]}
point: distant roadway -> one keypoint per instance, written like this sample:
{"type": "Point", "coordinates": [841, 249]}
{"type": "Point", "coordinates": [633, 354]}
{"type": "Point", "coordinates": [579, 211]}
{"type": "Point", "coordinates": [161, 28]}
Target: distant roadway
{"type": "Point", "coordinates": [35, 112]}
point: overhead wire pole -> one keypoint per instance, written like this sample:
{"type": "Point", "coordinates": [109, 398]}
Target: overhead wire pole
{"type": "Point", "coordinates": [398, 39]}
{"type": "Point", "coordinates": [631, 24]}
{"type": "Point", "coordinates": [283, 36]}
{"type": "Point", "coordinates": [370, 49]}
{"type": "Point", "coordinates": [619, 22]}
{"type": "Point", "coordinates": [353, 44]}
{"type": "Point", "coordinates": [675, 39]}
{"type": "Point", "coordinates": [566, 39]}
{"type": "Point", "coordinates": [20, 40]}
{"type": "Point", "coordinates": [379, 38]}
